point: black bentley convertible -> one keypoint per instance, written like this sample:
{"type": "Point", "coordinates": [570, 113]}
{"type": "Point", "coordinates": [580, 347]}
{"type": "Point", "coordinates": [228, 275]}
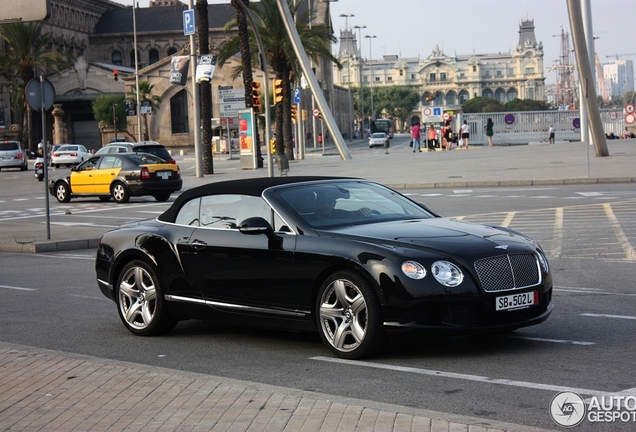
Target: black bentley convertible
{"type": "Point", "coordinates": [349, 258]}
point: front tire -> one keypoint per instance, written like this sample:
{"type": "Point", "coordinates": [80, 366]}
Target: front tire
{"type": "Point", "coordinates": [119, 192]}
{"type": "Point", "coordinates": [62, 192]}
{"type": "Point", "coordinates": [161, 197]}
{"type": "Point", "coordinates": [349, 316]}
{"type": "Point", "coordinates": [140, 301]}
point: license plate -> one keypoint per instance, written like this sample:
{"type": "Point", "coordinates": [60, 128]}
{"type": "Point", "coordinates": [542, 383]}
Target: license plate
{"type": "Point", "coordinates": [38, 171]}
{"type": "Point", "coordinates": [163, 174]}
{"type": "Point", "coordinates": [517, 301]}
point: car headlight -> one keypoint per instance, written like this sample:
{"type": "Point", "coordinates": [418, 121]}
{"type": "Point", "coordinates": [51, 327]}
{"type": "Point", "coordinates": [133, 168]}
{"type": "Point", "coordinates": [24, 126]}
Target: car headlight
{"type": "Point", "coordinates": [446, 273]}
{"type": "Point", "coordinates": [543, 261]}
{"type": "Point", "coordinates": [413, 269]}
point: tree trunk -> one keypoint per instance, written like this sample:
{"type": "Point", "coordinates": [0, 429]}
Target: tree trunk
{"type": "Point", "coordinates": [205, 89]}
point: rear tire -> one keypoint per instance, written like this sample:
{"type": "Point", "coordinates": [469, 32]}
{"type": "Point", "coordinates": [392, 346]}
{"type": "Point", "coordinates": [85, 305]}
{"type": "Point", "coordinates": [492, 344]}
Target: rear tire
{"type": "Point", "coordinates": [161, 197]}
{"type": "Point", "coordinates": [119, 192]}
{"type": "Point", "coordinates": [349, 317]}
{"type": "Point", "coordinates": [140, 302]}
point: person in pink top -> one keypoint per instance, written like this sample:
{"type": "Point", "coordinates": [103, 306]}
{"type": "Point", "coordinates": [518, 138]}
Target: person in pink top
{"type": "Point", "coordinates": [416, 136]}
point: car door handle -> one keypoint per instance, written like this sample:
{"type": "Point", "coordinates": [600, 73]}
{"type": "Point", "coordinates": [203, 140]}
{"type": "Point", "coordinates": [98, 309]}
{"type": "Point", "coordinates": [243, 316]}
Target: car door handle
{"type": "Point", "coordinates": [198, 244]}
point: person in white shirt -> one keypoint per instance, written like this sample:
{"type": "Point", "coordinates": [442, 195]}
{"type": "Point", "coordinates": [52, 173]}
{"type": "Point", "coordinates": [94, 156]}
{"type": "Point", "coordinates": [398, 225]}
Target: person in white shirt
{"type": "Point", "coordinates": [552, 132]}
{"type": "Point", "coordinates": [464, 130]}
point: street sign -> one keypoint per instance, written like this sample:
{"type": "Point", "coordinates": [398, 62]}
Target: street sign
{"type": "Point", "coordinates": [316, 112]}
{"type": "Point", "coordinates": [630, 119]}
{"type": "Point", "coordinates": [297, 95]}
{"type": "Point", "coordinates": [630, 108]}
{"type": "Point", "coordinates": [576, 123]}
{"type": "Point", "coordinates": [188, 22]}
{"type": "Point", "coordinates": [231, 100]}
{"type": "Point", "coordinates": [446, 116]}
{"type": "Point", "coordinates": [33, 94]}
{"type": "Point", "coordinates": [613, 115]}
{"type": "Point", "coordinates": [432, 115]}
{"type": "Point", "coordinates": [509, 119]}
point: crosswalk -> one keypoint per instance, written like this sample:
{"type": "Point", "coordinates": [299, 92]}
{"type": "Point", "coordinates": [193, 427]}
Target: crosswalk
{"type": "Point", "coordinates": [602, 230]}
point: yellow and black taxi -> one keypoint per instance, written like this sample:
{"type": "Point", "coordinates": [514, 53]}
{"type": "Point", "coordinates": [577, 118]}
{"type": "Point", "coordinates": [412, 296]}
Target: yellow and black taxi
{"type": "Point", "coordinates": [118, 176]}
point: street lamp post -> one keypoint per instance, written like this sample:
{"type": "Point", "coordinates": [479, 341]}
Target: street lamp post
{"type": "Point", "coordinates": [371, 69]}
{"type": "Point", "coordinates": [346, 17]}
{"type": "Point", "coordinates": [136, 71]}
{"type": "Point", "coordinates": [360, 27]}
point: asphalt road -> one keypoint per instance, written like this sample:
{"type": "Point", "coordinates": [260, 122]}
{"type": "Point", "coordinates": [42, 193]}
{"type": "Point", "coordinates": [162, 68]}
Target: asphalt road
{"type": "Point", "coordinates": [52, 301]}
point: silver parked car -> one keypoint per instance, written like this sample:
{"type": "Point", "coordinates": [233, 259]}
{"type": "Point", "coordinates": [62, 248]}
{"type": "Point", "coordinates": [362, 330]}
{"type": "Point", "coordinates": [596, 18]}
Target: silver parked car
{"type": "Point", "coordinates": [69, 154]}
{"type": "Point", "coordinates": [378, 139]}
{"type": "Point", "coordinates": [12, 155]}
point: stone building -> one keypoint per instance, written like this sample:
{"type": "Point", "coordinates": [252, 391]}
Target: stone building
{"type": "Point", "coordinates": [449, 80]}
{"type": "Point", "coordinates": [97, 36]}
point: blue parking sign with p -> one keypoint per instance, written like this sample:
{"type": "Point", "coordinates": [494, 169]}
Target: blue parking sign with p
{"type": "Point", "coordinates": [188, 22]}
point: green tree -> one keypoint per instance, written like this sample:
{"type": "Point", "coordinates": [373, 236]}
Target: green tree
{"type": "Point", "coordinates": [205, 88]}
{"type": "Point", "coordinates": [145, 94]}
{"type": "Point", "coordinates": [103, 110]}
{"type": "Point", "coordinates": [482, 104]}
{"type": "Point", "coordinates": [27, 52]}
{"type": "Point", "coordinates": [396, 101]}
{"type": "Point", "coordinates": [526, 105]}
{"type": "Point", "coordinates": [281, 56]}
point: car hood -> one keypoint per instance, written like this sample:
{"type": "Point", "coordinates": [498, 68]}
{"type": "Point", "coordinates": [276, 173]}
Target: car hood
{"type": "Point", "coordinates": [438, 235]}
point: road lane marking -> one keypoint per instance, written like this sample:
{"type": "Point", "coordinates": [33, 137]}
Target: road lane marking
{"type": "Point", "coordinates": [630, 253]}
{"type": "Point", "coordinates": [477, 378]}
{"type": "Point", "coordinates": [557, 236]}
{"type": "Point", "coordinates": [508, 219]}
{"type": "Point", "coordinates": [563, 341]}
{"type": "Point", "coordinates": [609, 316]}
{"type": "Point", "coordinates": [17, 288]}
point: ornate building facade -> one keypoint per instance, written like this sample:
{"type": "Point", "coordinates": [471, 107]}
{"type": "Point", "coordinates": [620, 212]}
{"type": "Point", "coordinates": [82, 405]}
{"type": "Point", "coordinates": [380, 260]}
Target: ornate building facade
{"type": "Point", "coordinates": [448, 81]}
{"type": "Point", "coordinates": [97, 37]}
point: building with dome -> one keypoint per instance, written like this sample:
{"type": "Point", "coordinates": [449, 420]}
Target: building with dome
{"type": "Point", "coordinates": [450, 80]}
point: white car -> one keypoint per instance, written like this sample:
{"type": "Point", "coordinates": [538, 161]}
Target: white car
{"type": "Point", "coordinates": [378, 139]}
{"type": "Point", "coordinates": [69, 154]}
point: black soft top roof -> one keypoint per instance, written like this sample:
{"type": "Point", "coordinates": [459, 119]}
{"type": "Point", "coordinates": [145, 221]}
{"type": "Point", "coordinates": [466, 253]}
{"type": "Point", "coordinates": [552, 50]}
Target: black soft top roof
{"type": "Point", "coordinates": [254, 187]}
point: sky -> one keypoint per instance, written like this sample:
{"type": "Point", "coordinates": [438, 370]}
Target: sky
{"type": "Point", "coordinates": [412, 28]}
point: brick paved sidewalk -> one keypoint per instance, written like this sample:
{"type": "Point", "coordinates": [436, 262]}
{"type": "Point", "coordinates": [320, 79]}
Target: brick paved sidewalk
{"type": "Point", "coordinates": [44, 390]}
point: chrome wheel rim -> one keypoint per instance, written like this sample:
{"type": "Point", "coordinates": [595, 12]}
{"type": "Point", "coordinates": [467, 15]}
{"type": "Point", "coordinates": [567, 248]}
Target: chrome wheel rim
{"type": "Point", "coordinates": [61, 193]}
{"type": "Point", "coordinates": [118, 192]}
{"type": "Point", "coordinates": [343, 315]}
{"type": "Point", "coordinates": [137, 298]}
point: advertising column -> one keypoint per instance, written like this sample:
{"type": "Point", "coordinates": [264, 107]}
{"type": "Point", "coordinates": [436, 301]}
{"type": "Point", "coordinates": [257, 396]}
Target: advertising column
{"type": "Point", "coordinates": [246, 138]}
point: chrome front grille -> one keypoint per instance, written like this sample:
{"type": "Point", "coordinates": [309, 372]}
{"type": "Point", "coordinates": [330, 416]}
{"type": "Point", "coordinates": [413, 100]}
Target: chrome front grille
{"type": "Point", "coordinates": [508, 272]}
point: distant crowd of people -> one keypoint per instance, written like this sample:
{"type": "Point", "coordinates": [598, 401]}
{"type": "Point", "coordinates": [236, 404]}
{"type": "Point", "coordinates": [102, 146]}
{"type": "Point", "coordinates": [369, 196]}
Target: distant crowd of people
{"type": "Point", "coordinates": [626, 134]}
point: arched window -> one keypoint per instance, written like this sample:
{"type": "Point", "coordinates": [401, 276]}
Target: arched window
{"type": "Point", "coordinates": [487, 93]}
{"type": "Point", "coordinates": [500, 95]}
{"type": "Point", "coordinates": [463, 96]}
{"type": "Point", "coordinates": [439, 99]}
{"type": "Point", "coordinates": [179, 113]}
{"type": "Point", "coordinates": [512, 94]}
{"type": "Point", "coordinates": [115, 58]}
{"type": "Point", "coordinates": [451, 97]}
{"type": "Point", "coordinates": [153, 56]}
{"type": "Point", "coordinates": [172, 51]}
{"type": "Point", "coordinates": [132, 58]}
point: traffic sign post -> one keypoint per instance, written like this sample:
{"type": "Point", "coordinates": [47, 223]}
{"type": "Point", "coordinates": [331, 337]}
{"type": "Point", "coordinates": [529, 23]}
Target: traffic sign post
{"type": "Point", "coordinates": [188, 22]}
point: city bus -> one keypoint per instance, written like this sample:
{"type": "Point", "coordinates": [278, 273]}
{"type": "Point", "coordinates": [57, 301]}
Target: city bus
{"type": "Point", "coordinates": [383, 125]}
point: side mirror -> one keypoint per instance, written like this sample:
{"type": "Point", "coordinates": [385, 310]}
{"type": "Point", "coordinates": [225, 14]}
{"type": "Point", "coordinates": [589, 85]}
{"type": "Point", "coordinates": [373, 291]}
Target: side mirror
{"type": "Point", "coordinates": [258, 225]}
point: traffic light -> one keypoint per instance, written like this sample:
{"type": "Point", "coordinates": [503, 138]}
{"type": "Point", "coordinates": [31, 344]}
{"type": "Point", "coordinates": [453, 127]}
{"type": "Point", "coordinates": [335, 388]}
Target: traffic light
{"type": "Point", "coordinates": [279, 90]}
{"type": "Point", "coordinates": [294, 113]}
{"type": "Point", "coordinates": [256, 97]}
{"type": "Point", "coordinates": [115, 74]}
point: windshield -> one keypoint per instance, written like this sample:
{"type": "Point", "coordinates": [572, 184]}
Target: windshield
{"type": "Point", "coordinates": [378, 135]}
{"type": "Point", "coordinates": [335, 204]}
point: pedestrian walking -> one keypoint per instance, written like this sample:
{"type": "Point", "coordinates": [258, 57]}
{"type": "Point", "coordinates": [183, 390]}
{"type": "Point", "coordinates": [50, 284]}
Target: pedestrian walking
{"type": "Point", "coordinates": [319, 140]}
{"type": "Point", "coordinates": [465, 134]}
{"type": "Point", "coordinates": [432, 138]}
{"type": "Point", "coordinates": [551, 134]}
{"type": "Point", "coordinates": [416, 136]}
{"type": "Point", "coordinates": [447, 136]}
{"type": "Point", "coordinates": [489, 131]}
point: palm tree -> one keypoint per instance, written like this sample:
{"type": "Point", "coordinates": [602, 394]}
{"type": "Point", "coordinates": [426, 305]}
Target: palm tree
{"type": "Point", "coordinates": [244, 40]}
{"type": "Point", "coordinates": [27, 52]}
{"type": "Point", "coordinates": [205, 88]}
{"type": "Point", "coordinates": [145, 94]}
{"type": "Point", "coordinates": [281, 57]}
